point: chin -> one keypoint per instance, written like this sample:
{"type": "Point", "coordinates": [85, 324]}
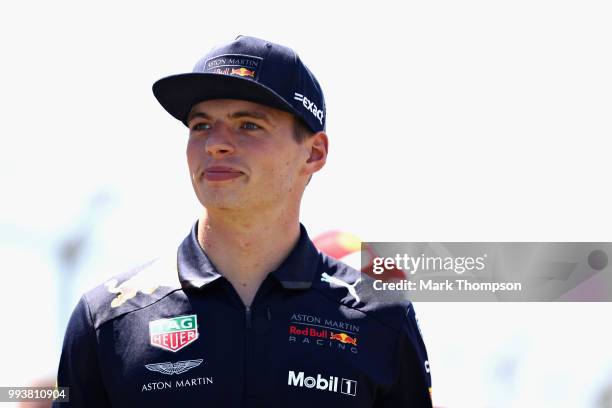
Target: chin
{"type": "Point", "coordinates": [221, 202]}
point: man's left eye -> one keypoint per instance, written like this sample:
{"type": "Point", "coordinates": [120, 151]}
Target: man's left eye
{"type": "Point", "coordinates": [249, 126]}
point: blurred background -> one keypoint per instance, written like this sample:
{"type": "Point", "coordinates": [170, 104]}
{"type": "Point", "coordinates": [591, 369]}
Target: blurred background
{"type": "Point", "coordinates": [448, 121]}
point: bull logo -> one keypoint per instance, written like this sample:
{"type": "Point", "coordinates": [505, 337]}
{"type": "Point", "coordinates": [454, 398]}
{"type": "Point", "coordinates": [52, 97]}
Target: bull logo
{"type": "Point", "coordinates": [146, 281]}
{"type": "Point", "coordinates": [128, 289]}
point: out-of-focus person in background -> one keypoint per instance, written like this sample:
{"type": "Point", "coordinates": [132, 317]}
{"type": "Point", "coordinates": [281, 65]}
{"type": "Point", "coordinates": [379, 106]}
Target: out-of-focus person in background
{"type": "Point", "coordinates": [247, 312]}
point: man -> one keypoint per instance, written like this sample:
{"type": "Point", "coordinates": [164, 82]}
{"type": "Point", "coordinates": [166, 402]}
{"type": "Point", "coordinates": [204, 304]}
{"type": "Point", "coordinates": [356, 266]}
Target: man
{"type": "Point", "coordinates": [247, 313]}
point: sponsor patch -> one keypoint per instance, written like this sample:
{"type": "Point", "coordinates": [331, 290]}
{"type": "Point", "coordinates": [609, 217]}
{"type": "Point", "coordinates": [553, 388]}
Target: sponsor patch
{"type": "Point", "coordinates": [309, 106]}
{"type": "Point", "coordinates": [317, 331]}
{"type": "Point", "coordinates": [174, 368]}
{"type": "Point", "coordinates": [182, 383]}
{"type": "Point", "coordinates": [323, 383]}
{"type": "Point", "coordinates": [332, 280]}
{"type": "Point", "coordinates": [343, 338]}
{"type": "Point", "coordinates": [246, 66]}
{"type": "Point", "coordinates": [145, 282]}
{"type": "Point", "coordinates": [174, 333]}
{"type": "Point", "coordinates": [128, 289]}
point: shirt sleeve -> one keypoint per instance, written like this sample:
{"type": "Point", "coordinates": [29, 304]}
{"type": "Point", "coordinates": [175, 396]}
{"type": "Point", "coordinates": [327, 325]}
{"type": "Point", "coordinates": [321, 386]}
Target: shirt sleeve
{"type": "Point", "coordinates": [412, 385]}
{"type": "Point", "coordinates": [78, 368]}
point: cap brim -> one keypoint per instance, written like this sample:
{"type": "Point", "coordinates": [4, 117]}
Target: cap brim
{"type": "Point", "coordinates": [178, 93]}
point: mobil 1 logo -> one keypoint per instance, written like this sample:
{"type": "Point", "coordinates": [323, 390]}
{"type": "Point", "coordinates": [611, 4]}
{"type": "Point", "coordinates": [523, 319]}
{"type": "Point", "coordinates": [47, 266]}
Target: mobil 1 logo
{"type": "Point", "coordinates": [322, 383]}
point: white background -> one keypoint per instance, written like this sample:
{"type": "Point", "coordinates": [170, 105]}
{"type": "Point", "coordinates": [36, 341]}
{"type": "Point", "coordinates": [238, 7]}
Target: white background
{"type": "Point", "coordinates": [448, 121]}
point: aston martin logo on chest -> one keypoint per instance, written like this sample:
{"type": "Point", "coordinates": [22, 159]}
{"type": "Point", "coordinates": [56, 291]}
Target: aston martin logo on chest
{"type": "Point", "coordinates": [170, 368]}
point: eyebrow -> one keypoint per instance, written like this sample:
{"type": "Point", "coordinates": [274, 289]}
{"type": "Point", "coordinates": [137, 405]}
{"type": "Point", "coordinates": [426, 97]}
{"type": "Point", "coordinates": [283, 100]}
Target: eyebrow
{"type": "Point", "coordinates": [250, 114]}
{"type": "Point", "coordinates": [193, 115]}
{"type": "Point", "coordinates": [235, 115]}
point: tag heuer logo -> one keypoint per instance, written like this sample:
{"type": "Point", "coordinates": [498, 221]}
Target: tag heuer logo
{"type": "Point", "coordinates": [174, 333]}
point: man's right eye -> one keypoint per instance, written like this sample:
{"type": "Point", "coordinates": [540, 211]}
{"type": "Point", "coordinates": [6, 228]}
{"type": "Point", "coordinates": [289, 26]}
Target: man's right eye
{"type": "Point", "coordinates": [200, 126]}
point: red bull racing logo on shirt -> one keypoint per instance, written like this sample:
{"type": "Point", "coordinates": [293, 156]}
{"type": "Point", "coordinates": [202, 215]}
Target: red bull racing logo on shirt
{"type": "Point", "coordinates": [174, 333]}
{"type": "Point", "coordinates": [316, 331]}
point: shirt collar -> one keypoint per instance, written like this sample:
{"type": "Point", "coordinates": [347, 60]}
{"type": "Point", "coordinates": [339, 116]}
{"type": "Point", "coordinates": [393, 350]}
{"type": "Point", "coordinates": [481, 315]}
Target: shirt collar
{"type": "Point", "coordinates": [297, 271]}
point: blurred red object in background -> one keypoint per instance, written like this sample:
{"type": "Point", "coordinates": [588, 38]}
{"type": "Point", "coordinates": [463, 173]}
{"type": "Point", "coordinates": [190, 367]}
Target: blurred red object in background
{"type": "Point", "coordinates": [347, 248]}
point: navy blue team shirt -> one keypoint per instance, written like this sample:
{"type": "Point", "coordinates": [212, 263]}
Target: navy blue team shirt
{"type": "Point", "coordinates": [174, 332]}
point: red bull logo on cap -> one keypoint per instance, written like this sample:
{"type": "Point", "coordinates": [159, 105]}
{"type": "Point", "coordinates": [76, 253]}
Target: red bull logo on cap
{"type": "Point", "coordinates": [243, 72]}
{"type": "Point", "coordinates": [236, 65]}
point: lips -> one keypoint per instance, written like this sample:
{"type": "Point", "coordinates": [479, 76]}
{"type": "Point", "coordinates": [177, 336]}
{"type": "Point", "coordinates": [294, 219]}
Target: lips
{"type": "Point", "coordinates": [221, 173]}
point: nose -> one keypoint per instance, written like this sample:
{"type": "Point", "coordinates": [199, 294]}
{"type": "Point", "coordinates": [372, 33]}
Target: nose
{"type": "Point", "coordinates": [220, 141]}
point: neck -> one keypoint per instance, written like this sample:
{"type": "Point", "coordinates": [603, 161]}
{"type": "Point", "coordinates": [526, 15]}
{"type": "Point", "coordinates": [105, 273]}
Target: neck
{"type": "Point", "coordinates": [245, 247]}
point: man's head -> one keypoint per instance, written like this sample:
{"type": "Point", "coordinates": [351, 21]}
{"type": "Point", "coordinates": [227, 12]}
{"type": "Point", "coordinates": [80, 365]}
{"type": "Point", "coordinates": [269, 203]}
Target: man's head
{"type": "Point", "coordinates": [256, 119]}
{"type": "Point", "coordinates": [248, 69]}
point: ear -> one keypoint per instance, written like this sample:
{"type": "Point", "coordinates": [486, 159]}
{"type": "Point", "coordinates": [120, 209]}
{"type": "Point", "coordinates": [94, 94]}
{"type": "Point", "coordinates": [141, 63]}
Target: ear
{"type": "Point", "coordinates": [317, 146]}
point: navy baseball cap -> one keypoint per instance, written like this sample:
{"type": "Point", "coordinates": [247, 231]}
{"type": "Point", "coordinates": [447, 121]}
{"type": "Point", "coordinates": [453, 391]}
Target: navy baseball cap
{"type": "Point", "coordinates": [250, 69]}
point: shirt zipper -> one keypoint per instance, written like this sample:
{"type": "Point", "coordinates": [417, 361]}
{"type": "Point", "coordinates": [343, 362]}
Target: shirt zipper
{"type": "Point", "coordinates": [247, 316]}
{"type": "Point", "coordinates": [247, 351]}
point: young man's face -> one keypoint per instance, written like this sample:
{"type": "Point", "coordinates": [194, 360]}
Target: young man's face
{"type": "Point", "coordinates": [242, 155]}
